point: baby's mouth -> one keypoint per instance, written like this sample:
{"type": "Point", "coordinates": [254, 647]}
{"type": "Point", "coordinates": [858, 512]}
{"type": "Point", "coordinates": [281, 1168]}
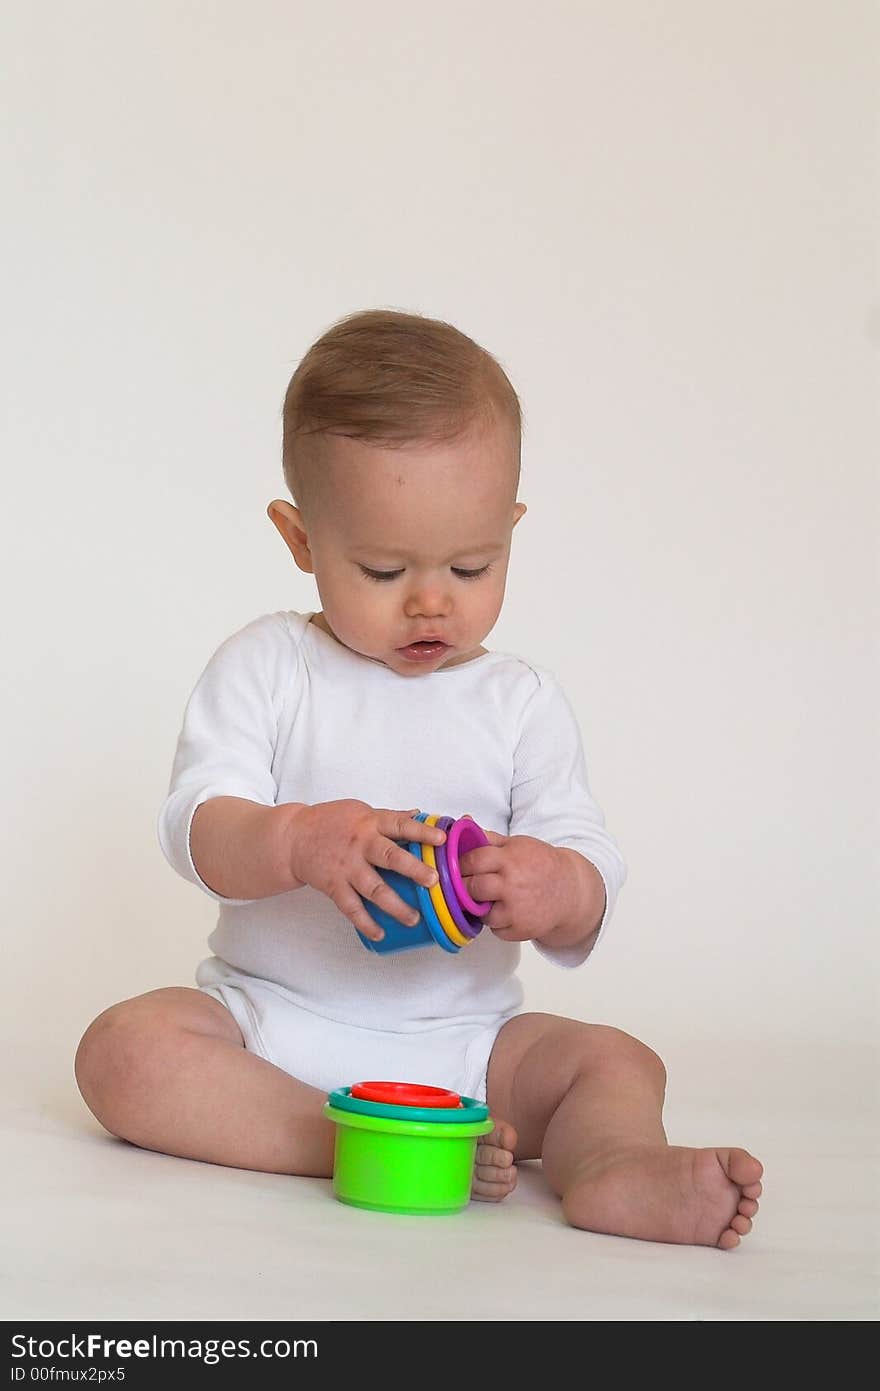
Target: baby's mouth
{"type": "Point", "coordinates": [423, 649]}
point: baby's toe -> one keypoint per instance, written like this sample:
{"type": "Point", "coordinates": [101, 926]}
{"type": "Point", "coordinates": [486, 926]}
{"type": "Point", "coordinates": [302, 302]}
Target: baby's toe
{"type": "Point", "coordinates": [497, 1148]}
{"type": "Point", "coordinates": [494, 1169]}
{"type": "Point", "coordinates": [748, 1207]}
{"type": "Point", "coordinates": [742, 1168]}
{"type": "Point", "coordinates": [491, 1184]}
{"type": "Point", "coordinates": [496, 1173]}
{"type": "Point", "coordinates": [752, 1190]}
{"type": "Point", "coordinates": [741, 1224]}
{"type": "Point", "coordinates": [490, 1156]}
{"type": "Point", "coordinates": [503, 1137]}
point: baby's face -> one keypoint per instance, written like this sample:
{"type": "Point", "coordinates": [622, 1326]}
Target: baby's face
{"type": "Point", "coordinates": [409, 544]}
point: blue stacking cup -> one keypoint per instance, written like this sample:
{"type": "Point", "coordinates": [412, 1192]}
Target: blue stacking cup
{"type": "Point", "coordinates": [398, 937]}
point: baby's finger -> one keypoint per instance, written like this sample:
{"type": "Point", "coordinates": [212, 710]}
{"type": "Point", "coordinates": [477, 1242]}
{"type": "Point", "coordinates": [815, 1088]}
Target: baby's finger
{"type": "Point", "coordinates": [374, 888]}
{"type": "Point", "coordinates": [351, 907]}
{"type": "Point", "coordinates": [402, 825]}
{"type": "Point", "coordinates": [413, 866]}
{"type": "Point", "coordinates": [484, 888]}
{"type": "Point", "coordinates": [485, 859]}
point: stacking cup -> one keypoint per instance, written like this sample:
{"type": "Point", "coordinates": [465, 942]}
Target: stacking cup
{"type": "Point", "coordinates": [448, 917]}
{"type": "Point", "coordinates": [387, 1160]}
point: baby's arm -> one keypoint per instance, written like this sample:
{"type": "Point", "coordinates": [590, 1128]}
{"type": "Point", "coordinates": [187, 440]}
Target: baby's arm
{"type": "Point", "coordinates": [561, 868]}
{"type": "Point", "coordinates": [241, 849]}
{"type": "Point", "coordinates": [587, 903]}
{"type": "Point", "coordinates": [255, 851]}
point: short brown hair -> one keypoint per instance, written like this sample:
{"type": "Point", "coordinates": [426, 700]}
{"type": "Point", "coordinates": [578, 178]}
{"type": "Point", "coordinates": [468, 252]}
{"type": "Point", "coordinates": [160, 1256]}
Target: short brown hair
{"type": "Point", "coordinates": [390, 378]}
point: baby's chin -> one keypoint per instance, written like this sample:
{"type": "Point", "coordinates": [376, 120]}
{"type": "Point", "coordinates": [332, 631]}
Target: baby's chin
{"type": "Point", "coordinates": [407, 665]}
{"type": "Point", "coordinates": [392, 659]}
{"type": "Point", "coordinates": [398, 661]}
{"type": "Point", "coordinates": [451, 658]}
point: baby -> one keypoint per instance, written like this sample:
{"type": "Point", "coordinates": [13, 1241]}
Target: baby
{"type": "Point", "coordinates": [304, 742]}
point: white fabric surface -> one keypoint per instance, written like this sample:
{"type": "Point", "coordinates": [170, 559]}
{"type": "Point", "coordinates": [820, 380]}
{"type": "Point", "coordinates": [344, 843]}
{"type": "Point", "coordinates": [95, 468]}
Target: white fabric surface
{"type": "Point", "coordinates": [94, 1228]}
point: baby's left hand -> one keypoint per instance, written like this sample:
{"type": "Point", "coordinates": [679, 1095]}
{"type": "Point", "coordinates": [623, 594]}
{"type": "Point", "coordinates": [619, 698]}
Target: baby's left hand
{"type": "Point", "coordinates": [530, 882]}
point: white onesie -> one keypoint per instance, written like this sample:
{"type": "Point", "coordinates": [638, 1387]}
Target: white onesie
{"type": "Point", "coordinates": [285, 713]}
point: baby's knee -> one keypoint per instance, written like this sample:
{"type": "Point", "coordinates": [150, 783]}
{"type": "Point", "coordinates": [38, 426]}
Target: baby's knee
{"type": "Point", "coordinates": [105, 1054]}
{"type": "Point", "coordinates": [614, 1050]}
{"type": "Point", "coordinates": [120, 1056]}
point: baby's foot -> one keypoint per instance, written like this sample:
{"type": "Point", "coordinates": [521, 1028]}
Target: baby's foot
{"type": "Point", "coordinates": [704, 1197]}
{"type": "Point", "coordinates": [494, 1169]}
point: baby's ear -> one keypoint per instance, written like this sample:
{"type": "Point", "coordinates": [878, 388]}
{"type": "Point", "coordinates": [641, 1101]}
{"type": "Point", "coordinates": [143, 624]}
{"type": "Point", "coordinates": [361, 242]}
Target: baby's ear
{"type": "Point", "coordinates": [289, 522]}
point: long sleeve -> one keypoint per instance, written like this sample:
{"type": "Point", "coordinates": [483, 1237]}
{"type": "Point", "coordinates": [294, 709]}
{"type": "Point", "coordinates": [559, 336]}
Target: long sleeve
{"type": "Point", "coordinates": [551, 798]}
{"type": "Point", "coordinates": [227, 743]}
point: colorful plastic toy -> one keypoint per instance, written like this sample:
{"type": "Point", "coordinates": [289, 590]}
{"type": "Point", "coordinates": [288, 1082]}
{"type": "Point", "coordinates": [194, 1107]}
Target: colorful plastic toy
{"type": "Point", "coordinates": [406, 1094]}
{"type": "Point", "coordinates": [464, 835]}
{"type": "Point", "coordinates": [405, 1156]}
{"type": "Point", "coordinates": [448, 916]}
{"type": "Point", "coordinates": [437, 899]}
{"type": "Point", "coordinates": [398, 936]}
{"type": "Point", "coordinates": [466, 922]}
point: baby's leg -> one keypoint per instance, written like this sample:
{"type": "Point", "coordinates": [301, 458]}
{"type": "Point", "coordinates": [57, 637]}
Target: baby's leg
{"type": "Point", "coordinates": [169, 1071]}
{"type": "Point", "coordinates": [588, 1100]}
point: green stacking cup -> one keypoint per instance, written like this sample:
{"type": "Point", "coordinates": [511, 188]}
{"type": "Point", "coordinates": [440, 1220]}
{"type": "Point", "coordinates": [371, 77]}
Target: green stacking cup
{"type": "Point", "coordinates": [420, 1167]}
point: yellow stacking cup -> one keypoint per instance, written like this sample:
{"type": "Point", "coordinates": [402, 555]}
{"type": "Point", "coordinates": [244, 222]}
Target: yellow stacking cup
{"type": "Point", "coordinates": [437, 899]}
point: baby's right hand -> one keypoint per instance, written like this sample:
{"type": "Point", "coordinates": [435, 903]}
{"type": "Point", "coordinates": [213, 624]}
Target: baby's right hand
{"type": "Point", "coordinates": [336, 846]}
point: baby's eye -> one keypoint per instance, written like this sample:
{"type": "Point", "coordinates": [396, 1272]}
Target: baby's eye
{"type": "Point", "coordinates": [471, 574]}
{"type": "Point", "coordinates": [381, 574]}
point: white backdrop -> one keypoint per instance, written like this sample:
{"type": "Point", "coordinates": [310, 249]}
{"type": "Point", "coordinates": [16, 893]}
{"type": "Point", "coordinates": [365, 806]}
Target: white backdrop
{"type": "Point", "coordinates": [660, 220]}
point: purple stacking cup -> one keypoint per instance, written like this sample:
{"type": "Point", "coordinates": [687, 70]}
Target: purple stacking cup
{"type": "Point", "coordinates": [466, 922]}
{"type": "Point", "coordinates": [464, 835]}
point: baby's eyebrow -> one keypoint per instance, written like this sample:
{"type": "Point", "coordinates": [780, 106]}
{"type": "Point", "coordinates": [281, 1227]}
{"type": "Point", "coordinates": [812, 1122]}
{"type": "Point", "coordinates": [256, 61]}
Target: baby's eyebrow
{"type": "Point", "coordinates": [380, 552]}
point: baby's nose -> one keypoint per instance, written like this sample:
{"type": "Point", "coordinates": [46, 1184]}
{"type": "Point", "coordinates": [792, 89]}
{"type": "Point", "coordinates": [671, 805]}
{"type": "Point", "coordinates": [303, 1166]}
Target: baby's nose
{"type": "Point", "coordinates": [429, 600]}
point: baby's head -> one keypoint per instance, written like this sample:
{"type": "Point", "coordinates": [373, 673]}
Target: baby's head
{"type": "Point", "coordinates": [402, 454]}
